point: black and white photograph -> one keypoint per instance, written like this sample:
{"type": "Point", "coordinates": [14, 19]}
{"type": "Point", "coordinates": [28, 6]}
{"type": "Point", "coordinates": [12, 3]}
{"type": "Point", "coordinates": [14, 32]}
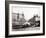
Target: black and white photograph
{"type": "Point", "coordinates": [25, 18]}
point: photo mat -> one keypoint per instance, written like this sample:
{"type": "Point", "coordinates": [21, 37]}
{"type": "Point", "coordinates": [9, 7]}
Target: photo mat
{"type": "Point", "coordinates": [26, 18]}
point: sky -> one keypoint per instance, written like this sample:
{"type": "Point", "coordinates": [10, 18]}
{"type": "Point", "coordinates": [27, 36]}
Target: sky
{"type": "Point", "coordinates": [29, 12]}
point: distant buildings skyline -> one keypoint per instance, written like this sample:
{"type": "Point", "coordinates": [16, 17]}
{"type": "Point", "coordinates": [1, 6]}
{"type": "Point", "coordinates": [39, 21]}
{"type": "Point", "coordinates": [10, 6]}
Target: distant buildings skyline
{"type": "Point", "coordinates": [19, 19]}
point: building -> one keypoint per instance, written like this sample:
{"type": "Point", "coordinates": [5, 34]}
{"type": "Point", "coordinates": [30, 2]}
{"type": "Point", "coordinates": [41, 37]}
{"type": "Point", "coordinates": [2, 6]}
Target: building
{"type": "Point", "coordinates": [35, 21]}
{"type": "Point", "coordinates": [18, 19]}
